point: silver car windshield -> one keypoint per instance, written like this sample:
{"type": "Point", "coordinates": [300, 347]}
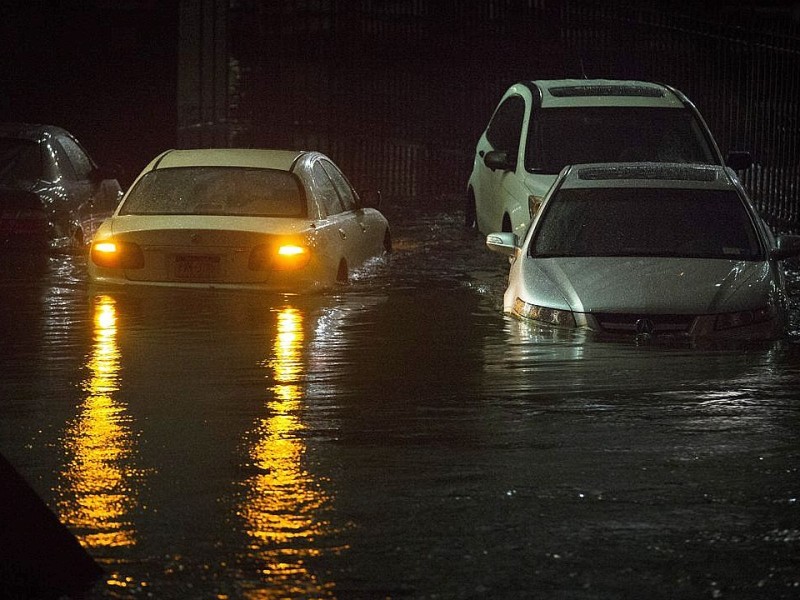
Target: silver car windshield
{"type": "Point", "coordinates": [646, 222]}
{"type": "Point", "coordinates": [568, 136]}
{"type": "Point", "coordinates": [228, 191]}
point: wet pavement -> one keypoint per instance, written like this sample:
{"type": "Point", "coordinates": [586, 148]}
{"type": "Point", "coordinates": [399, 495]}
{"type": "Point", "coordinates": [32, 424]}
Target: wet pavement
{"type": "Point", "coordinates": [397, 438]}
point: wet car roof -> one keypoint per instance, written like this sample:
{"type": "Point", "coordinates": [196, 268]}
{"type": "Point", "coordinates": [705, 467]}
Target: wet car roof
{"type": "Point", "coordinates": [30, 131]}
{"type": "Point", "coordinates": [647, 174]}
{"type": "Point", "coordinates": [605, 92]}
{"type": "Point", "coordinates": [228, 157]}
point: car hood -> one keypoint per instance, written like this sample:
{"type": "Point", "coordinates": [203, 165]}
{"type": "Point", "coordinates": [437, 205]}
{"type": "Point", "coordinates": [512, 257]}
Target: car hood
{"type": "Point", "coordinates": [646, 285]}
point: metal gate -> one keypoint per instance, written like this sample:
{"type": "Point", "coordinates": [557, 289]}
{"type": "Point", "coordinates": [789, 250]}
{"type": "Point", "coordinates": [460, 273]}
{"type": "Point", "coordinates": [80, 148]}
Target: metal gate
{"type": "Point", "coordinates": [398, 91]}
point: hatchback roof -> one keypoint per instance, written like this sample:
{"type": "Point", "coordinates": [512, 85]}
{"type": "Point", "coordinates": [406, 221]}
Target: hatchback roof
{"type": "Point", "coordinates": [227, 157]}
{"type": "Point", "coordinates": [557, 93]}
{"type": "Point", "coordinates": [30, 131]}
{"type": "Point", "coordinates": [647, 175]}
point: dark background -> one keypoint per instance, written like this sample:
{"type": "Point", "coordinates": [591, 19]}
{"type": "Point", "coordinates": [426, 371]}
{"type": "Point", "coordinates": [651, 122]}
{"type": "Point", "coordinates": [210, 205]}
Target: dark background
{"type": "Point", "coordinates": [396, 91]}
{"type": "Point", "coordinates": [106, 72]}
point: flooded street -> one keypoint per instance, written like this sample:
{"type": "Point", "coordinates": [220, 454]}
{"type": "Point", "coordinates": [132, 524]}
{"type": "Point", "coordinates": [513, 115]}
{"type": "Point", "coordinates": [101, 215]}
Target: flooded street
{"type": "Point", "coordinates": [396, 438]}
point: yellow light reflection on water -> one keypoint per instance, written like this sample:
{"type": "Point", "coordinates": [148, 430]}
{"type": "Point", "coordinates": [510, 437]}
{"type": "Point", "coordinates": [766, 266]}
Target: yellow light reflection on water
{"type": "Point", "coordinates": [98, 490]}
{"type": "Point", "coordinates": [283, 503]}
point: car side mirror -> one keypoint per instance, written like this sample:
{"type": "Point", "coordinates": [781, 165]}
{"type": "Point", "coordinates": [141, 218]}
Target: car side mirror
{"type": "Point", "coordinates": [504, 242]}
{"type": "Point", "coordinates": [102, 173]}
{"type": "Point", "coordinates": [786, 246]}
{"type": "Point", "coordinates": [739, 160]}
{"type": "Point", "coordinates": [497, 159]}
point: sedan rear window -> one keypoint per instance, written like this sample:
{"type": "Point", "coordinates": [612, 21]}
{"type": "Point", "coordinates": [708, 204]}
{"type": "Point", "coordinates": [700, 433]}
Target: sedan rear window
{"type": "Point", "coordinates": [647, 222]}
{"type": "Point", "coordinates": [564, 136]}
{"type": "Point", "coordinates": [227, 191]}
{"type": "Point", "coordinates": [20, 160]}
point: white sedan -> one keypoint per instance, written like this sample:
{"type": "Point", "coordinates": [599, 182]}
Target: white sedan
{"type": "Point", "coordinates": [275, 219]}
{"type": "Point", "coordinates": [649, 250]}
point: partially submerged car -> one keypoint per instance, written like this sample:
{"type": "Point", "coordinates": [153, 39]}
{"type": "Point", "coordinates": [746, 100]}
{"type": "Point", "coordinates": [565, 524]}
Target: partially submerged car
{"type": "Point", "coordinates": [539, 127]}
{"type": "Point", "coordinates": [649, 250]}
{"type": "Point", "coordinates": [52, 194]}
{"type": "Point", "coordinates": [281, 220]}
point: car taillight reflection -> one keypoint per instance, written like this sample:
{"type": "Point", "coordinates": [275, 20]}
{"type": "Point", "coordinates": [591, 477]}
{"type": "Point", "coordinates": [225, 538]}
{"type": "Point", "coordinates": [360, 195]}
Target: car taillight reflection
{"type": "Point", "coordinates": [279, 257]}
{"type": "Point", "coordinates": [117, 255]}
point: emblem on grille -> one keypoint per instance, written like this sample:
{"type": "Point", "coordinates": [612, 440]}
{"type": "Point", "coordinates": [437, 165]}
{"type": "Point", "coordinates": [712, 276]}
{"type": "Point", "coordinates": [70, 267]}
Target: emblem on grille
{"type": "Point", "coordinates": [645, 327]}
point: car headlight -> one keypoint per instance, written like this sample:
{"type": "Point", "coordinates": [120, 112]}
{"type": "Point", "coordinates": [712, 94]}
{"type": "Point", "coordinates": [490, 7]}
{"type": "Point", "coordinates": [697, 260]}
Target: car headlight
{"type": "Point", "coordinates": [112, 254]}
{"type": "Point", "coordinates": [279, 257]}
{"type": "Point", "coordinates": [550, 316]}
{"type": "Point", "coordinates": [743, 318]}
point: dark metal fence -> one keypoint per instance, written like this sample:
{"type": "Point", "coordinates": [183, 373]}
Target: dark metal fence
{"type": "Point", "coordinates": [398, 91]}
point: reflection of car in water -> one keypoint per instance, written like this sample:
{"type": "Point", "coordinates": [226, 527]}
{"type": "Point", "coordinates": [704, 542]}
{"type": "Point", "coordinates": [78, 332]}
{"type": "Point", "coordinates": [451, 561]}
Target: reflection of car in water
{"type": "Point", "coordinates": [539, 127]}
{"type": "Point", "coordinates": [281, 220]}
{"type": "Point", "coordinates": [649, 250]}
{"type": "Point", "coordinates": [52, 194]}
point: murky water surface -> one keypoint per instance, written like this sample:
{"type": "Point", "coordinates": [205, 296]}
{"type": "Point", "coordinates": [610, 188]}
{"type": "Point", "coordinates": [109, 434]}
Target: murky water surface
{"type": "Point", "coordinates": [398, 438]}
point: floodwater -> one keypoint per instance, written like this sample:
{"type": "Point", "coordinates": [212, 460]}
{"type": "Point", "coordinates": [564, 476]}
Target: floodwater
{"type": "Point", "coordinates": [396, 438]}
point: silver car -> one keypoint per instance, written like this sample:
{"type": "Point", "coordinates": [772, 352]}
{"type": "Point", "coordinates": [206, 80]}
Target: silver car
{"type": "Point", "coordinates": [649, 249]}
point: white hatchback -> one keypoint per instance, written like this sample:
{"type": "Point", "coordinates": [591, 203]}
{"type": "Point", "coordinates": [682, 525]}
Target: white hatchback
{"type": "Point", "coordinates": [539, 127]}
{"type": "Point", "coordinates": [280, 220]}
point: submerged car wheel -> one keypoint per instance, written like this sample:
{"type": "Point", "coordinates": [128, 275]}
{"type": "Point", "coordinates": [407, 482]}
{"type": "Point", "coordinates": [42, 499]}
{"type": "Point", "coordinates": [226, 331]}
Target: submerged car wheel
{"type": "Point", "coordinates": [470, 213]}
{"type": "Point", "coordinates": [342, 275]}
{"type": "Point", "coordinates": [77, 242]}
{"type": "Point", "coordinates": [387, 242]}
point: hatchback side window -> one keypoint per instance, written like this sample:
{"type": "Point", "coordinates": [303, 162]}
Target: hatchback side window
{"type": "Point", "coordinates": [342, 186]}
{"type": "Point", "coordinates": [505, 128]}
{"type": "Point", "coordinates": [327, 191]}
{"type": "Point", "coordinates": [80, 162]}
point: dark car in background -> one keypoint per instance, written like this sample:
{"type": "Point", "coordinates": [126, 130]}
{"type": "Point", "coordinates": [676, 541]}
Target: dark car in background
{"type": "Point", "coordinates": [52, 193]}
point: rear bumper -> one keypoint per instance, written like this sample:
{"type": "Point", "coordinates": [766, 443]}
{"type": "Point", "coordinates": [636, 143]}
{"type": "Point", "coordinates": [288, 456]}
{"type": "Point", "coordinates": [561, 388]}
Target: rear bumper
{"type": "Point", "coordinates": [277, 283]}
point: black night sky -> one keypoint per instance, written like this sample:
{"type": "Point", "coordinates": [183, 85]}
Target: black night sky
{"type": "Point", "coordinates": [105, 71]}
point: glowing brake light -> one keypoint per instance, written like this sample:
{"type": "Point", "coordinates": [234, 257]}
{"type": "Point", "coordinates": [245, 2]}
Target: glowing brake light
{"type": "Point", "coordinates": [105, 248]}
{"type": "Point", "coordinates": [291, 250]}
{"type": "Point", "coordinates": [279, 257]}
{"type": "Point", "coordinates": [117, 255]}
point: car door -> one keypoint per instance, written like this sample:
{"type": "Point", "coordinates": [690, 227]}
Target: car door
{"type": "Point", "coordinates": [69, 192]}
{"type": "Point", "coordinates": [335, 231]}
{"type": "Point", "coordinates": [497, 188]}
{"type": "Point", "coordinates": [366, 236]}
{"type": "Point", "coordinates": [93, 197]}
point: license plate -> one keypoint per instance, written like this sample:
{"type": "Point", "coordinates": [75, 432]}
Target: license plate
{"type": "Point", "coordinates": [193, 267]}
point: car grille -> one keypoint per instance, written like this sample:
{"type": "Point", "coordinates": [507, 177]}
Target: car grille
{"type": "Point", "coordinates": [633, 323]}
